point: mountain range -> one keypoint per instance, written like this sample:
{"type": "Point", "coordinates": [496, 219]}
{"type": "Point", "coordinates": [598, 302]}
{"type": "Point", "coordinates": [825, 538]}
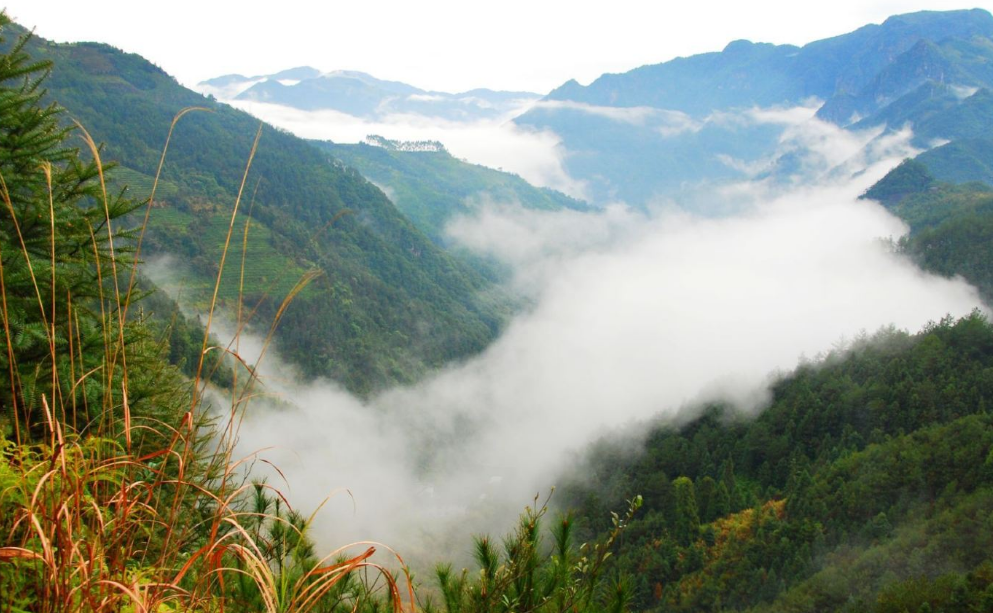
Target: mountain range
{"type": "Point", "coordinates": [669, 131]}
{"type": "Point", "coordinates": [659, 130]}
{"type": "Point", "coordinates": [401, 303]}
{"type": "Point", "coordinates": [362, 95]}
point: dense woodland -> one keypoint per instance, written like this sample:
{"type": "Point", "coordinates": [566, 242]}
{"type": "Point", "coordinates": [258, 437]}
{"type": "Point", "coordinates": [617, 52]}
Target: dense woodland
{"type": "Point", "coordinates": [866, 484]}
{"type": "Point", "coordinates": [870, 469]}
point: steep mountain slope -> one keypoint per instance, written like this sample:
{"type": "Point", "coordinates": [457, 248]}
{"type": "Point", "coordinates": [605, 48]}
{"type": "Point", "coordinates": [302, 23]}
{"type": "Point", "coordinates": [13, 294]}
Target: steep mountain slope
{"type": "Point", "coordinates": [961, 161]}
{"type": "Point", "coordinates": [937, 112]}
{"type": "Point", "coordinates": [387, 303]}
{"type": "Point", "coordinates": [867, 479]}
{"type": "Point", "coordinates": [659, 130]}
{"type": "Point", "coordinates": [951, 226]}
{"type": "Point", "coordinates": [432, 187]}
{"type": "Point", "coordinates": [865, 484]}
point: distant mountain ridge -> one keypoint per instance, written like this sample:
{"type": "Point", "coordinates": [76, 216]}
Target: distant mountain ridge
{"type": "Point", "coordinates": [670, 131]}
{"type": "Point", "coordinates": [930, 70]}
{"type": "Point", "coordinates": [762, 74]}
{"type": "Point", "coordinates": [363, 95]}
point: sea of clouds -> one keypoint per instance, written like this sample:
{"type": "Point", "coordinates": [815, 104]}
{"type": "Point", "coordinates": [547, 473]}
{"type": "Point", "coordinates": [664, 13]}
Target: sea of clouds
{"type": "Point", "coordinates": [635, 315]}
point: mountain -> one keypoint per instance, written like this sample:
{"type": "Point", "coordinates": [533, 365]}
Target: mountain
{"type": "Point", "coordinates": [951, 225]}
{"type": "Point", "coordinates": [362, 95]}
{"type": "Point", "coordinates": [865, 485]}
{"type": "Point", "coordinates": [938, 113]}
{"type": "Point", "coordinates": [386, 305]}
{"type": "Point", "coordinates": [228, 86]}
{"type": "Point", "coordinates": [748, 74]}
{"type": "Point", "coordinates": [660, 130]}
{"type": "Point", "coordinates": [961, 161]}
{"type": "Point", "coordinates": [431, 187]}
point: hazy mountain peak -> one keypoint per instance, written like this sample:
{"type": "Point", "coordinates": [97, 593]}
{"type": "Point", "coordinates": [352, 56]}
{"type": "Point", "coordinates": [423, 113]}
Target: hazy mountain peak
{"type": "Point", "coordinates": [920, 69]}
{"type": "Point", "coordinates": [393, 87]}
{"type": "Point", "coordinates": [737, 45]}
{"type": "Point", "coordinates": [979, 18]}
{"type": "Point", "coordinates": [298, 73]}
{"type": "Point", "coordinates": [567, 91]}
{"type": "Point", "coordinates": [224, 80]}
{"type": "Point", "coordinates": [352, 74]}
{"type": "Point", "coordinates": [361, 94]}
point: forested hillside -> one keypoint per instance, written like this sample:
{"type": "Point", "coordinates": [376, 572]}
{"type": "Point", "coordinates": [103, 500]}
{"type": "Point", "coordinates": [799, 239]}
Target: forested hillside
{"type": "Point", "coordinates": [962, 160]}
{"type": "Point", "coordinates": [865, 485]}
{"type": "Point", "coordinates": [386, 304]}
{"type": "Point", "coordinates": [951, 225]}
{"type": "Point", "coordinates": [433, 187]}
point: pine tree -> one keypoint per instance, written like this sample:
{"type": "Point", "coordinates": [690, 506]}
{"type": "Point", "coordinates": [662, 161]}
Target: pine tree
{"type": "Point", "coordinates": [687, 512]}
{"type": "Point", "coordinates": [63, 273]}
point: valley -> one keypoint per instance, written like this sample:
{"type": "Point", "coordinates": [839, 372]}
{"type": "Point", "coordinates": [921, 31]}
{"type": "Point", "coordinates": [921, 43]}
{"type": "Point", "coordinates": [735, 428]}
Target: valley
{"type": "Point", "coordinates": [711, 334]}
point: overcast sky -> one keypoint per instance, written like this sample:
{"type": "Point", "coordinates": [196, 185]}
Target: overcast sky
{"type": "Point", "coordinates": [446, 45]}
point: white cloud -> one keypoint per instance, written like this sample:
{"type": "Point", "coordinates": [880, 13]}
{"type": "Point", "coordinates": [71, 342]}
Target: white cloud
{"type": "Point", "coordinates": [229, 91]}
{"type": "Point", "coordinates": [962, 91]}
{"type": "Point", "coordinates": [785, 116]}
{"type": "Point", "coordinates": [426, 98]}
{"type": "Point", "coordinates": [664, 121]}
{"type": "Point", "coordinates": [534, 155]}
{"type": "Point", "coordinates": [817, 148]}
{"type": "Point", "coordinates": [633, 317]}
{"type": "Point", "coordinates": [749, 169]}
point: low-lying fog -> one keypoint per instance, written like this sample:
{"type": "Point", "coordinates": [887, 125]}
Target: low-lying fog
{"type": "Point", "coordinates": [635, 315]}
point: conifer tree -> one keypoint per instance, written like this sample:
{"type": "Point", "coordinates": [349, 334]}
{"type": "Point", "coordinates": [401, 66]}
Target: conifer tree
{"type": "Point", "coordinates": [687, 511]}
{"type": "Point", "coordinates": [63, 271]}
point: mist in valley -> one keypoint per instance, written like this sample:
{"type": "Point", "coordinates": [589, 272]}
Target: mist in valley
{"type": "Point", "coordinates": [634, 316]}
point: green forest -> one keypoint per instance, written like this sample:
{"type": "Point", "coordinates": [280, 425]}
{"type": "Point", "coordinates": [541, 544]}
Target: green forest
{"type": "Point", "coordinates": [868, 478]}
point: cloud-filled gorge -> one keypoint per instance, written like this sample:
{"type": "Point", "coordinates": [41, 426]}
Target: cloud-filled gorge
{"type": "Point", "coordinates": [633, 316]}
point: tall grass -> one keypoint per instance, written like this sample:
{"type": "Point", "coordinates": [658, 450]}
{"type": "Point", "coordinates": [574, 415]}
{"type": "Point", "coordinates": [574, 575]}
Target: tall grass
{"type": "Point", "coordinates": [145, 510]}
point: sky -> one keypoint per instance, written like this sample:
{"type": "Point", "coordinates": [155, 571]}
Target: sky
{"type": "Point", "coordinates": [445, 45]}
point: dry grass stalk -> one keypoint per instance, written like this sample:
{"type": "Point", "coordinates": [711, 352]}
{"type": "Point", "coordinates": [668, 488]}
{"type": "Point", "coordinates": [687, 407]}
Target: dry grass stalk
{"type": "Point", "coordinates": [103, 521]}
